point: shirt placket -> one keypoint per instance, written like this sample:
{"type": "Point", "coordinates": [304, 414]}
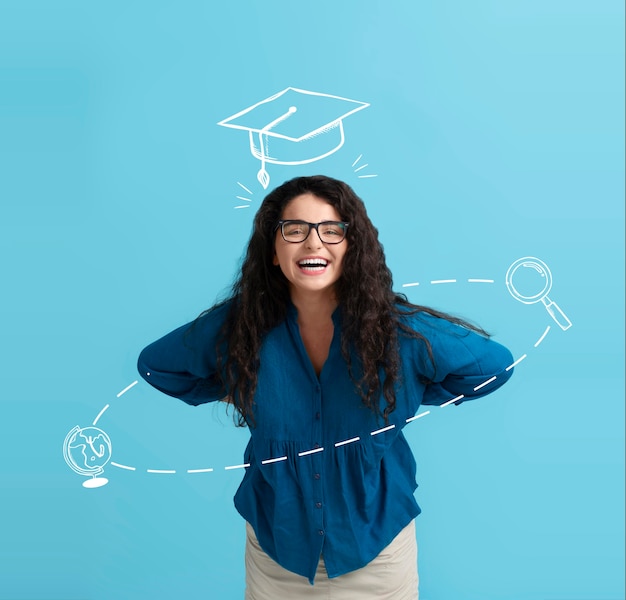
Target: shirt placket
{"type": "Point", "coordinates": [317, 497]}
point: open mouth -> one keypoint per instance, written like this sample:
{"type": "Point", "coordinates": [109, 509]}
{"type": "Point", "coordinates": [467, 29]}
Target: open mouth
{"type": "Point", "coordinates": [313, 265]}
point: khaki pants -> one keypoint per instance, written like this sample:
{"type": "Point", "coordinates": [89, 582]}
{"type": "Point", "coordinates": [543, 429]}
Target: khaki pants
{"type": "Point", "coordinates": [392, 575]}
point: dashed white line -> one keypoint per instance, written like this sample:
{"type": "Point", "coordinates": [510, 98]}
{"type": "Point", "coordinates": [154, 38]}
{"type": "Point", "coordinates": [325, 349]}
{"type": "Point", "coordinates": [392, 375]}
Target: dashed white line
{"type": "Point", "coordinates": [382, 430]}
{"type": "Point", "coordinates": [344, 442]}
{"type": "Point", "coordinates": [244, 466]}
{"type": "Point", "coordinates": [133, 384]}
{"type": "Point", "coordinates": [517, 362]}
{"type": "Point", "coordinates": [452, 401]}
{"type": "Point", "coordinates": [242, 198]}
{"type": "Point", "coordinates": [100, 414]}
{"type": "Point", "coordinates": [273, 460]}
{"type": "Point", "coordinates": [361, 167]}
{"type": "Point", "coordinates": [354, 439]}
{"type": "Point", "coordinates": [243, 206]}
{"type": "Point", "coordinates": [357, 160]}
{"type": "Point", "coordinates": [114, 464]}
{"type": "Point", "coordinates": [307, 452]}
{"type": "Point", "coordinates": [484, 383]}
{"type": "Point", "coordinates": [366, 176]}
{"type": "Point", "coordinates": [543, 336]}
{"type": "Point", "coordinates": [427, 412]}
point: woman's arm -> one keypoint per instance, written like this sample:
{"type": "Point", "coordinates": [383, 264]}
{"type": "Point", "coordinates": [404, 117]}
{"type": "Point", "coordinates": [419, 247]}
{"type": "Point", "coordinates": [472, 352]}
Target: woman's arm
{"type": "Point", "coordinates": [183, 363]}
{"type": "Point", "coordinates": [466, 366]}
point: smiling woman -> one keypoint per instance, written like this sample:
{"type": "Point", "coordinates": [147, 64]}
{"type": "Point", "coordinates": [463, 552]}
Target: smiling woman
{"type": "Point", "coordinates": [311, 262]}
{"type": "Point", "coordinates": [311, 334]}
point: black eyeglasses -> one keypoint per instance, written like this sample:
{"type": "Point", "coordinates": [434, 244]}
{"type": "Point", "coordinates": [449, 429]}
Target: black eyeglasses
{"type": "Point", "coordinates": [329, 232]}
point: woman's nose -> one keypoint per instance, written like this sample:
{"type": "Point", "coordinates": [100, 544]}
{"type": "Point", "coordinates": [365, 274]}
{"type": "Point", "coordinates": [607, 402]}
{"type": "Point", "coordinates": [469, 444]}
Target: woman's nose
{"type": "Point", "coordinates": [313, 240]}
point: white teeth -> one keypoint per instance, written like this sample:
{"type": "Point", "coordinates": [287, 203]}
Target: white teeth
{"type": "Point", "coordinates": [317, 262]}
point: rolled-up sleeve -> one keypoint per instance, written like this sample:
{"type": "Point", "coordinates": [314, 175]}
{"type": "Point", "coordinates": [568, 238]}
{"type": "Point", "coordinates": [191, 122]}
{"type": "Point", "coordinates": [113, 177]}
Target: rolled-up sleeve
{"type": "Point", "coordinates": [183, 363]}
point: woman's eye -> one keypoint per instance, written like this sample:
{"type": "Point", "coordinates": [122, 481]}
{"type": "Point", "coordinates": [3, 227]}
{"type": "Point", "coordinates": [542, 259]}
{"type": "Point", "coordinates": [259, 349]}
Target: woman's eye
{"type": "Point", "coordinates": [294, 231]}
{"type": "Point", "coordinates": [332, 231]}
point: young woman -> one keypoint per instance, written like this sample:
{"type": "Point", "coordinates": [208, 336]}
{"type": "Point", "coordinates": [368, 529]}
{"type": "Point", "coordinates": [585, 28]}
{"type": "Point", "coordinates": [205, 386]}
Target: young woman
{"type": "Point", "coordinates": [324, 363]}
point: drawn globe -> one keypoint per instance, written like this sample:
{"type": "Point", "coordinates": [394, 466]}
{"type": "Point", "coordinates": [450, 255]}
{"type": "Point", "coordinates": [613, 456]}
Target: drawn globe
{"type": "Point", "coordinates": [86, 451]}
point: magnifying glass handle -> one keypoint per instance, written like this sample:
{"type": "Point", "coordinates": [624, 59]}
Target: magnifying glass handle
{"type": "Point", "coordinates": [556, 313]}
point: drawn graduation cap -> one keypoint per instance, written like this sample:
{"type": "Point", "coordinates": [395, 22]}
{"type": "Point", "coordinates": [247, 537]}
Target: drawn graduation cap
{"type": "Point", "coordinates": [294, 127]}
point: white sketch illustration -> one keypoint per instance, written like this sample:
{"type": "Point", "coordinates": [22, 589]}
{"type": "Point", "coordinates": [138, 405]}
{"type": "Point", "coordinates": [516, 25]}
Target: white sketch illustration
{"type": "Point", "coordinates": [294, 127]}
{"type": "Point", "coordinates": [86, 451]}
{"type": "Point", "coordinates": [244, 198]}
{"type": "Point", "coordinates": [533, 277]}
{"type": "Point", "coordinates": [361, 167]}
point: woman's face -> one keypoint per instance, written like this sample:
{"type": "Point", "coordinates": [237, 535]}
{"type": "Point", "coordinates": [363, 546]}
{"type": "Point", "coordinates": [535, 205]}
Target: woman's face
{"type": "Point", "coordinates": [310, 266]}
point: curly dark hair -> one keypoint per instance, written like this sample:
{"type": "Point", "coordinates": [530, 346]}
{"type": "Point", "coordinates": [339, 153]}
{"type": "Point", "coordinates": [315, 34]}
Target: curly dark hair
{"type": "Point", "coordinates": [371, 310]}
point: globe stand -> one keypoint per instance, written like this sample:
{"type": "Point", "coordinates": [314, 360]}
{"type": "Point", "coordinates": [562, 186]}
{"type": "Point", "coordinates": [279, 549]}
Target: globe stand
{"type": "Point", "coordinates": [95, 482]}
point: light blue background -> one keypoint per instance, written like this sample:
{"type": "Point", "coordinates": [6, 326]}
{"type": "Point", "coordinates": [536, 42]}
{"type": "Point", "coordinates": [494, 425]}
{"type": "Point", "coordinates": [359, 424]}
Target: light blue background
{"type": "Point", "coordinates": [496, 131]}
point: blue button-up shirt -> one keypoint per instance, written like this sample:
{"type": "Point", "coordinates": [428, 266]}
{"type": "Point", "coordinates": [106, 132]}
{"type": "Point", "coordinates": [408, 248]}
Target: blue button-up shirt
{"type": "Point", "coordinates": [325, 474]}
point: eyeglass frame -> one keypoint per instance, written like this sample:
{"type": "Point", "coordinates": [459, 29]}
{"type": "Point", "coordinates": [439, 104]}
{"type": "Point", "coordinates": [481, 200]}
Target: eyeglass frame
{"type": "Point", "coordinates": [281, 223]}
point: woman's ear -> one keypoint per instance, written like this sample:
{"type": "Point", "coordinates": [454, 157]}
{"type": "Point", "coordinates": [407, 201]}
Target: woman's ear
{"type": "Point", "coordinates": [275, 260]}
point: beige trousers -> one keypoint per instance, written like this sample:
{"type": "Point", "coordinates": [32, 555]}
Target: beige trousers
{"type": "Point", "coordinates": [392, 575]}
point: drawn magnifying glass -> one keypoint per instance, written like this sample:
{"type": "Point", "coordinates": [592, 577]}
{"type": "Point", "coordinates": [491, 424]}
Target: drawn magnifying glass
{"type": "Point", "coordinates": [533, 282]}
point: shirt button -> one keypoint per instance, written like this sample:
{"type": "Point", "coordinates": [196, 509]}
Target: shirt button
{"type": "Point", "coordinates": [321, 532]}
{"type": "Point", "coordinates": [318, 505]}
{"type": "Point", "coordinates": [317, 415]}
{"type": "Point", "coordinates": [316, 445]}
{"type": "Point", "coordinates": [317, 475]}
